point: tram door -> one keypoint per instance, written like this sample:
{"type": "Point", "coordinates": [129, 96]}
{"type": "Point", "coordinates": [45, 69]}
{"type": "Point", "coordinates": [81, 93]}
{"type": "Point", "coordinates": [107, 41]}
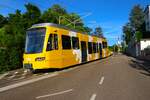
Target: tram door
{"type": "Point", "coordinates": [84, 51]}
{"type": "Point", "coordinates": [100, 50]}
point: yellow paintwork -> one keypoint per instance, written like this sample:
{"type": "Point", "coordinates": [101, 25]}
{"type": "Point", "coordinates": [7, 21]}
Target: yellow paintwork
{"type": "Point", "coordinates": [62, 58]}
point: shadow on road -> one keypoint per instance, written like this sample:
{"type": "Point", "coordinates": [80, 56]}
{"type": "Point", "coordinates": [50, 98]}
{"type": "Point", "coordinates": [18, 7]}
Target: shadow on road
{"type": "Point", "coordinates": [141, 65]}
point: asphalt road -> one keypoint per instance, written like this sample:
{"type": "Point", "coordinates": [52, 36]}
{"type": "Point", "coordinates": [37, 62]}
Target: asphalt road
{"type": "Point", "coordinates": [115, 78]}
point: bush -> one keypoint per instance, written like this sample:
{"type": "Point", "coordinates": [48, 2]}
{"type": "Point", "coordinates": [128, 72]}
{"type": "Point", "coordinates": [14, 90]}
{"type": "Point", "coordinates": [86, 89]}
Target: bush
{"type": "Point", "coordinates": [3, 60]}
{"type": "Point", "coordinates": [10, 59]}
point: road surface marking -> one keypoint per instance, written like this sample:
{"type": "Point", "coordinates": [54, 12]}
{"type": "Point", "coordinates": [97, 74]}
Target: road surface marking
{"type": "Point", "coordinates": [93, 97]}
{"type": "Point", "coordinates": [3, 75]}
{"type": "Point", "coordinates": [58, 93]}
{"type": "Point", "coordinates": [26, 82]}
{"type": "Point", "coordinates": [101, 81]}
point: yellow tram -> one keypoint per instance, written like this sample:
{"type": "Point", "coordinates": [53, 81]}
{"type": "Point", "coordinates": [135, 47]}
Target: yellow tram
{"type": "Point", "coordinates": [50, 45]}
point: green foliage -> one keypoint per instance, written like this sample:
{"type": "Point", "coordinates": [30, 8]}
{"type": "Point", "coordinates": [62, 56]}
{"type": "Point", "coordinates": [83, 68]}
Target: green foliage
{"type": "Point", "coordinates": [98, 31]}
{"type": "Point", "coordinates": [137, 17]}
{"type": "Point", "coordinates": [115, 48]}
{"type": "Point", "coordinates": [135, 26]}
{"type": "Point", "coordinates": [32, 15]}
{"type": "Point", "coordinates": [12, 37]}
{"type": "Point", "coordinates": [111, 48]}
{"type": "Point", "coordinates": [3, 61]}
{"type": "Point", "coordinates": [88, 30]}
{"type": "Point", "coordinates": [3, 20]}
{"type": "Point", "coordinates": [138, 35]}
{"type": "Point", "coordinates": [58, 9]}
{"type": "Point", "coordinates": [127, 30]}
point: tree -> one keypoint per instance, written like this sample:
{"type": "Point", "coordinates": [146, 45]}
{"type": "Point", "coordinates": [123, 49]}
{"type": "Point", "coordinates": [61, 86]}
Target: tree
{"type": "Point", "coordinates": [48, 16]}
{"type": "Point", "coordinates": [74, 21]}
{"type": "Point", "coordinates": [3, 21]}
{"type": "Point", "coordinates": [88, 30]}
{"type": "Point", "coordinates": [138, 35]}
{"type": "Point", "coordinates": [135, 27]}
{"type": "Point", "coordinates": [58, 9]}
{"type": "Point", "coordinates": [136, 18]}
{"type": "Point", "coordinates": [53, 14]}
{"type": "Point", "coordinates": [15, 23]}
{"type": "Point", "coordinates": [32, 16]}
{"type": "Point", "coordinates": [127, 30]}
{"type": "Point", "coordinates": [98, 31]}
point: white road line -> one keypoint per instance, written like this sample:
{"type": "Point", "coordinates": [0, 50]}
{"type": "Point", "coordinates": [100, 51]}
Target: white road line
{"type": "Point", "coordinates": [93, 97]}
{"type": "Point", "coordinates": [101, 81]}
{"type": "Point", "coordinates": [26, 82]}
{"type": "Point", "coordinates": [58, 93]}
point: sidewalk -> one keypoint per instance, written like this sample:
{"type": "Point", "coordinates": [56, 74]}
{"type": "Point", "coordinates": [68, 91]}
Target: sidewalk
{"type": "Point", "coordinates": [147, 58]}
{"type": "Point", "coordinates": [144, 62]}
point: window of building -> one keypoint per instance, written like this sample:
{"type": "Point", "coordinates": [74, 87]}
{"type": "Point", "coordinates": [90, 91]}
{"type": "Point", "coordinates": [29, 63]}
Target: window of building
{"type": "Point", "coordinates": [94, 47]}
{"type": "Point", "coordinates": [75, 43]}
{"type": "Point", "coordinates": [90, 47]}
{"type": "Point", "coordinates": [52, 42]}
{"type": "Point", "coordinates": [66, 42]}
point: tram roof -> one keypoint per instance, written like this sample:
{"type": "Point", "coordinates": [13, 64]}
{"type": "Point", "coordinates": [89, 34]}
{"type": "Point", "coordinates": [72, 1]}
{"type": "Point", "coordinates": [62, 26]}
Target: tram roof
{"type": "Point", "coordinates": [60, 26]}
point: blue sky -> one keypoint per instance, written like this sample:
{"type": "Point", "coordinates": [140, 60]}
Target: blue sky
{"type": "Point", "coordinates": [111, 15]}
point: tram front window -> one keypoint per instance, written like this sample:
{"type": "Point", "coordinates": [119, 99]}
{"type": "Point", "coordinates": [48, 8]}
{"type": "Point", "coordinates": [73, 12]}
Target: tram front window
{"type": "Point", "coordinates": [35, 40]}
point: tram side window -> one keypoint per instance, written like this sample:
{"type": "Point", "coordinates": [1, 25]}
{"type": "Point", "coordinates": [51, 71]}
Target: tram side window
{"type": "Point", "coordinates": [103, 44]}
{"type": "Point", "coordinates": [66, 42]}
{"type": "Point", "coordinates": [75, 43]}
{"type": "Point", "coordinates": [90, 47]}
{"type": "Point", "coordinates": [49, 44]}
{"type": "Point", "coordinates": [100, 46]}
{"type": "Point", "coordinates": [55, 41]}
{"type": "Point", "coordinates": [52, 42]}
{"type": "Point", "coordinates": [94, 47]}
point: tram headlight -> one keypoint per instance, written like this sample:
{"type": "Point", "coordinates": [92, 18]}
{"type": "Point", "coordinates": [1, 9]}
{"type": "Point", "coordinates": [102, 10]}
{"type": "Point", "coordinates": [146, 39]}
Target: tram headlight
{"type": "Point", "coordinates": [39, 58]}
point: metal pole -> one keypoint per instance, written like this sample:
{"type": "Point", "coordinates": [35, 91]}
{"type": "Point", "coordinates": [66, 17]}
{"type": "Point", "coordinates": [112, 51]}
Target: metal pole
{"type": "Point", "coordinates": [59, 19]}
